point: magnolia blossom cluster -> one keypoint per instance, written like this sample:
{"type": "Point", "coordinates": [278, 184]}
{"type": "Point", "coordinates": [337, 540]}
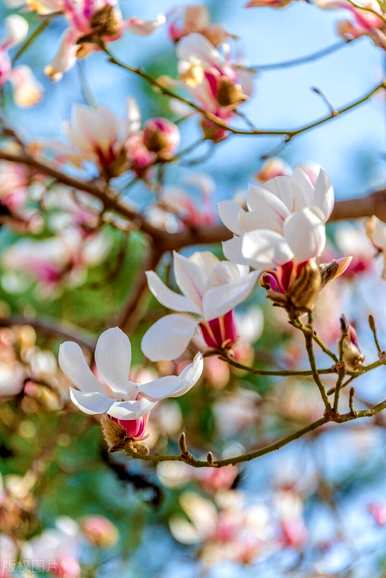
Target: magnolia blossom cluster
{"type": "Point", "coordinates": [113, 145]}
{"type": "Point", "coordinates": [26, 89]}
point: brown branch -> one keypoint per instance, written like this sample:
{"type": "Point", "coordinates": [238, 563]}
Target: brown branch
{"type": "Point", "coordinates": [355, 208]}
{"type": "Point", "coordinates": [288, 133]}
{"type": "Point", "coordinates": [188, 458]}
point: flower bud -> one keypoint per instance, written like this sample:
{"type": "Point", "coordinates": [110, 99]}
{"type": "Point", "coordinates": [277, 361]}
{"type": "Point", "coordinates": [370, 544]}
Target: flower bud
{"type": "Point", "coordinates": [272, 168]}
{"type": "Point", "coordinates": [99, 531]}
{"type": "Point", "coordinates": [352, 356]}
{"type": "Point", "coordinates": [161, 136]}
{"type": "Point", "coordinates": [106, 22]}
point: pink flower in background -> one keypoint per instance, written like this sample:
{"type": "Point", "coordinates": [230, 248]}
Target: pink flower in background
{"type": "Point", "coordinates": [378, 512]}
{"type": "Point", "coordinates": [210, 291]}
{"type": "Point", "coordinates": [26, 90]}
{"type": "Point", "coordinates": [56, 261]}
{"type": "Point", "coordinates": [219, 84]}
{"type": "Point", "coordinates": [111, 392]}
{"type": "Point", "coordinates": [376, 232]}
{"type": "Point", "coordinates": [90, 21]}
{"type": "Point", "coordinates": [352, 240]}
{"type": "Point", "coordinates": [195, 18]}
{"type": "Point", "coordinates": [179, 208]}
{"type": "Point", "coordinates": [99, 531]}
{"type": "Point", "coordinates": [365, 20]}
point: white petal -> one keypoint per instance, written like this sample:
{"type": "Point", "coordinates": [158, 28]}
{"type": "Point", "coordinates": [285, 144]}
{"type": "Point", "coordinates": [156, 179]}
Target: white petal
{"type": "Point", "coordinates": [145, 27]}
{"type": "Point", "coordinates": [232, 251]}
{"type": "Point", "coordinates": [189, 278]}
{"type": "Point", "coordinates": [73, 364]}
{"type": "Point", "coordinates": [377, 232]}
{"type": "Point", "coordinates": [324, 194]}
{"type": "Point", "coordinates": [229, 212]}
{"type": "Point", "coordinates": [113, 359]}
{"type": "Point", "coordinates": [196, 46]}
{"type": "Point", "coordinates": [266, 249]}
{"type": "Point", "coordinates": [173, 385]}
{"type": "Point", "coordinates": [168, 337]}
{"type": "Point", "coordinates": [303, 190]}
{"type": "Point", "coordinates": [167, 297]}
{"type": "Point", "coordinates": [133, 116]}
{"type": "Point", "coordinates": [305, 234]}
{"type": "Point", "coordinates": [219, 300]}
{"type": "Point", "coordinates": [131, 409]}
{"type": "Point", "coordinates": [90, 403]}
{"type": "Point", "coordinates": [267, 211]}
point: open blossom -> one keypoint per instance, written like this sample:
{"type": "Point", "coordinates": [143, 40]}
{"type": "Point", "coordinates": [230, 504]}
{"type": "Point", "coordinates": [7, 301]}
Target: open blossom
{"type": "Point", "coordinates": [210, 291]}
{"type": "Point", "coordinates": [111, 391]}
{"type": "Point", "coordinates": [26, 89]}
{"type": "Point", "coordinates": [365, 20]}
{"type": "Point", "coordinates": [116, 145]}
{"type": "Point", "coordinates": [90, 23]}
{"type": "Point", "coordinates": [219, 85]}
{"type": "Point", "coordinates": [57, 260]}
{"type": "Point", "coordinates": [195, 18]}
{"type": "Point", "coordinates": [284, 221]}
{"type": "Point", "coordinates": [376, 231]}
{"type": "Point", "coordinates": [281, 233]}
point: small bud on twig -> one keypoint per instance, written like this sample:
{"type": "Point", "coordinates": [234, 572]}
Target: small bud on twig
{"type": "Point", "coordinates": [182, 443]}
{"type": "Point", "coordinates": [210, 458]}
{"type": "Point", "coordinates": [373, 329]}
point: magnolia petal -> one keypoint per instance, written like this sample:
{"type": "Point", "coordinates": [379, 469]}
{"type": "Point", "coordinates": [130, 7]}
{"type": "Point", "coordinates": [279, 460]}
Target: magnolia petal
{"type": "Point", "coordinates": [131, 409]}
{"type": "Point", "coordinates": [219, 300]}
{"type": "Point", "coordinates": [376, 230]}
{"type": "Point", "coordinates": [73, 364]}
{"type": "Point", "coordinates": [265, 248]}
{"type": "Point", "coordinates": [173, 385]}
{"type": "Point", "coordinates": [324, 194]}
{"type": "Point", "coordinates": [145, 27]}
{"type": "Point", "coordinates": [195, 46]}
{"type": "Point", "coordinates": [169, 337]}
{"type": "Point", "coordinates": [305, 234]}
{"type": "Point", "coordinates": [229, 212]}
{"type": "Point", "coordinates": [267, 211]}
{"type": "Point", "coordinates": [167, 297]}
{"type": "Point", "coordinates": [303, 190]}
{"type": "Point", "coordinates": [232, 251]}
{"type": "Point", "coordinates": [90, 403]}
{"type": "Point", "coordinates": [189, 278]}
{"type": "Point", "coordinates": [113, 359]}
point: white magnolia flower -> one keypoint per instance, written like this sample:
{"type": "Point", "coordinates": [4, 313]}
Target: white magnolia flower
{"type": "Point", "coordinates": [111, 391]}
{"type": "Point", "coordinates": [284, 221]}
{"type": "Point", "coordinates": [210, 290]}
{"type": "Point", "coordinates": [376, 231]}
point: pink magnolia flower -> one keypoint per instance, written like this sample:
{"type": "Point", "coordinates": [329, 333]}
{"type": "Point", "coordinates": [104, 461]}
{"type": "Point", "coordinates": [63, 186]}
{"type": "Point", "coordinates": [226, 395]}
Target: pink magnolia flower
{"type": "Point", "coordinates": [233, 531]}
{"type": "Point", "coordinates": [178, 208]}
{"type": "Point", "coordinates": [273, 167]}
{"type": "Point", "coordinates": [378, 512]}
{"type": "Point", "coordinates": [111, 391]}
{"type": "Point", "coordinates": [351, 240]}
{"type": "Point", "coordinates": [210, 291]}
{"type": "Point", "coordinates": [195, 18]}
{"type": "Point", "coordinates": [26, 90]}
{"type": "Point", "coordinates": [58, 260]}
{"type": "Point", "coordinates": [368, 19]}
{"type": "Point", "coordinates": [114, 145]}
{"type": "Point", "coordinates": [219, 85]}
{"type": "Point", "coordinates": [90, 22]}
